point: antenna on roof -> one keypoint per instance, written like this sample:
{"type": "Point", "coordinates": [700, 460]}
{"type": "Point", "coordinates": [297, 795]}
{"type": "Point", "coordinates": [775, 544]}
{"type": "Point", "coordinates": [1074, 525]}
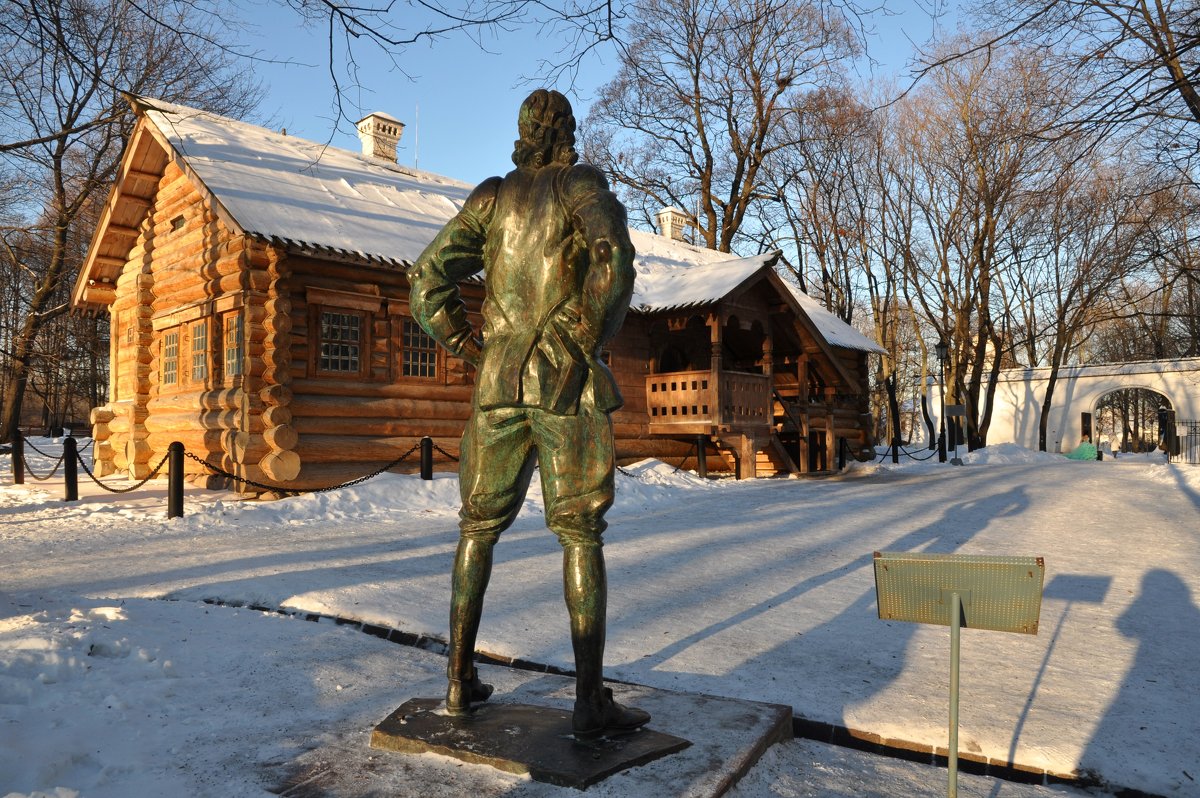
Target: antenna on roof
{"type": "Point", "coordinates": [417, 137]}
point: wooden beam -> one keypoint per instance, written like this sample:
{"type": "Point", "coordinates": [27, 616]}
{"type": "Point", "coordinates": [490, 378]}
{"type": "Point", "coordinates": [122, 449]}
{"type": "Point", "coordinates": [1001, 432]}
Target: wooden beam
{"type": "Point", "coordinates": [110, 261]}
{"type": "Point", "coordinates": [141, 202]}
{"type": "Point", "coordinates": [139, 174]}
{"type": "Point", "coordinates": [101, 293]}
{"type": "Point", "coordinates": [122, 229]}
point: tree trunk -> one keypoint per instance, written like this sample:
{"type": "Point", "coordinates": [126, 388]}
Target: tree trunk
{"type": "Point", "coordinates": [1047, 402]}
{"type": "Point", "coordinates": [14, 391]}
{"type": "Point", "coordinates": [930, 430]}
{"type": "Point", "coordinates": [893, 415]}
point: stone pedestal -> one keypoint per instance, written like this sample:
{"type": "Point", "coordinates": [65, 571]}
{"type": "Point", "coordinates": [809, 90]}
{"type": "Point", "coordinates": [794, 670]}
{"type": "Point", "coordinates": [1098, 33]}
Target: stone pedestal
{"type": "Point", "coordinates": [519, 738]}
{"type": "Point", "coordinates": [727, 737]}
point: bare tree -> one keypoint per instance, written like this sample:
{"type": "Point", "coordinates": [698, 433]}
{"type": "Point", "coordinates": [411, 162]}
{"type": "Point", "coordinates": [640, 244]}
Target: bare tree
{"type": "Point", "coordinates": [61, 65]}
{"type": "Point", "coordinates": [823, 219]}
{"type": "Point", "coordinates": [840, 225]}
{"type": "Point", "coordinates": [967, 151]}
{"type": "Point", "coordinates": [1091, 222]}
{"type": "Point", "coordinates": [697, 109]}
{"type": "Point", "coordinates": [1141, 59]}
{"type": "Point", "coordinates": [1158, 300]}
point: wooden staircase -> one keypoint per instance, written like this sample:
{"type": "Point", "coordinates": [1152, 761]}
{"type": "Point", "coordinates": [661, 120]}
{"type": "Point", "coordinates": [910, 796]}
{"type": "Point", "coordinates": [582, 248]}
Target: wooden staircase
{"type": "Point", "coordinates": [769, 462]}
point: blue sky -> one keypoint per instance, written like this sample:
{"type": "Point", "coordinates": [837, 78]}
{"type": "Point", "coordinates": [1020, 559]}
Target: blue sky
{"type": "Point", "coordinates": [458, 100]}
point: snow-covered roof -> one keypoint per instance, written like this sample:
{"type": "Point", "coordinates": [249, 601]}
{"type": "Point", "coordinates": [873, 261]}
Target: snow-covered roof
{"type": "Point", "coordinates": [382, 115]}
{"type": "Point", "coordinates": [305, 194]}
{"type": "Point", "coordinates": [672, 275]}
{"type": "Point", "coordinates": [1165, 366]}
{"type": "Point", "coordinates": [836, 331]}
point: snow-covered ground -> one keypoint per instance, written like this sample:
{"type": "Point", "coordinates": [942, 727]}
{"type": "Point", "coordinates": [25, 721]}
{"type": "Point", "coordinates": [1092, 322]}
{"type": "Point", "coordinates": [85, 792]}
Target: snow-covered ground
{"type": "Point", "coordinates": [761, 590]}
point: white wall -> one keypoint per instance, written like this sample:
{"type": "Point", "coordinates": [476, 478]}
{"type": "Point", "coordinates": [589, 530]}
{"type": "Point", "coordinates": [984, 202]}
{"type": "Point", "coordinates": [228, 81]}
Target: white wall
{"type": "Point", "coordinates": [1019, 395]}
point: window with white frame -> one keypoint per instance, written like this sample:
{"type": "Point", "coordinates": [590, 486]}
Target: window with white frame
{"type": "Point", "coordinates": [233, 336]}
{"type": "Point", "coordinates": [199, 335]}
{"type": "Point", "coordinates": [170, 358]}
{"type": "Point", "coordinates": [419, 357]}
{"type": "Point", "coordinates": [340, 349]}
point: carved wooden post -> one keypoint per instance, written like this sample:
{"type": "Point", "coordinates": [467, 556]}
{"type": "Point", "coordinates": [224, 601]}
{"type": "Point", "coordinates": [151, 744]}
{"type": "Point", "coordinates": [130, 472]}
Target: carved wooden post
{"type": "Point", "coordinates": [768, 368]}
{"type": "Point", "coordinates": [715, 331]}
{"type": "Point", "coordinates": [802, 407]}
{"type": "Point", "coordinates": [747, 467]}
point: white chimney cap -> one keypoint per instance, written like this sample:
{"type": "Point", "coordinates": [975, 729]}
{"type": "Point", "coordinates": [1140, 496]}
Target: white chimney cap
{"type": "Point", "coordinates": [672, 223]}
{"type": "Point", "coordinates": [380, 134]}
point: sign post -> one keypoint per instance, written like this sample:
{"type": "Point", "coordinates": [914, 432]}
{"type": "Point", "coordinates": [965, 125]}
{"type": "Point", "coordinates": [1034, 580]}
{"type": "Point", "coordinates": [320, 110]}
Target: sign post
{"type": "Point", "coordinates": [1003, 594]}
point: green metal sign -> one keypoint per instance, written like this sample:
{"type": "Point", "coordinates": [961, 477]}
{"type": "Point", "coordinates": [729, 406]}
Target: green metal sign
{"type": "Point", "coordinates": [1003, 594]}
{"type": "Point", "coordinates": [960, 590]}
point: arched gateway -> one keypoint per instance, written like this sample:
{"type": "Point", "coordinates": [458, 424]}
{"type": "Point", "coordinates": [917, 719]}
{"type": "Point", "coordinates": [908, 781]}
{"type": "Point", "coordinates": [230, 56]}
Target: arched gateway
{"type": "Point", "coordinates": [1078, 391]}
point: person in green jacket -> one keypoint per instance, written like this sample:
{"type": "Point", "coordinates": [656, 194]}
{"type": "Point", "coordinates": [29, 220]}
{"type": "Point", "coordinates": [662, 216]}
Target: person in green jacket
{"type": "Point", "coordinates": [553, 243]}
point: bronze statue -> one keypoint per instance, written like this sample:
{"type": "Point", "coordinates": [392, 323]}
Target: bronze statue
{"type": "Point", "coordinates": [553, 243]}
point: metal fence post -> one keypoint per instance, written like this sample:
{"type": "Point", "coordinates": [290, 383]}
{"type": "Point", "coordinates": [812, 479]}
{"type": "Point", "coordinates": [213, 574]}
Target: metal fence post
{"type": "Point", "coordinates": [175, 480]}
{"type": "Point", "coordinates": [70, 469]}
{"type": "Point", "coordinates": [18, 459]}
{"type": "Point", "coordinates": [701, 457]}
{"type": "Point", "coordinates": [427, 458]}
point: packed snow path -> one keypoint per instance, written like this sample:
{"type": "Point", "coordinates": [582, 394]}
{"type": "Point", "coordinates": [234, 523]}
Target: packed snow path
{"type": "Point", "coordinates": [760, 590]}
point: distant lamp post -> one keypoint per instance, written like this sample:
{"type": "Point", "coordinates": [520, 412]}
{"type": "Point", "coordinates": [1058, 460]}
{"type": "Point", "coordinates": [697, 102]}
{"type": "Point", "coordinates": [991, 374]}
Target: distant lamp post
{"type": "Point", "coordinates": [943, 352]}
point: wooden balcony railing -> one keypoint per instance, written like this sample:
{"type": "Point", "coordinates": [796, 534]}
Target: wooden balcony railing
{"type": "Point", "coordinates": [745, 399]}
{"type": "Point", "coordinates": [687, 402]}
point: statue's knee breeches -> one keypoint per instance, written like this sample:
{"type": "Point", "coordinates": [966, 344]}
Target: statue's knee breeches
{"type": "Point", "coordinates": [578, 520]}
{"type": "Point", "coordinates": [494, 473]}
{"type": "Point", "coordinates": [575, 454]}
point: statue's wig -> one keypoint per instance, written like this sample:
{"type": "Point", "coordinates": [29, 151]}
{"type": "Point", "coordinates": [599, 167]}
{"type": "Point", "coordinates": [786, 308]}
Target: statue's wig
{"type": "Point", "coordinates": [547, 129]}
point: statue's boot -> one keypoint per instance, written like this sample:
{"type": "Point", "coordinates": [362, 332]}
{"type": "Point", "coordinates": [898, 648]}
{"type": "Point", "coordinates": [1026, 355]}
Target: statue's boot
{"type": "Point", "coordinates": [472, 570]}
{"type": "Point", "coordinates": [597, 718]}
{"type": "Point", "coordinates": [585, 586]}
{"type": "Point", "coordinates": [461, 693]}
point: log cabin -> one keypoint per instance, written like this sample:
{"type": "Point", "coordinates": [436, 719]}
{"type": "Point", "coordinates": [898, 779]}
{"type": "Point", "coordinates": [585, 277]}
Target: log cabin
{"type": "Point", "coordinates": [256, 290]}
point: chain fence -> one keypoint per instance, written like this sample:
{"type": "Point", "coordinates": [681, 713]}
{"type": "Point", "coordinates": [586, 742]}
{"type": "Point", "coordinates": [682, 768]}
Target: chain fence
{"type": "Point", "coordinates": [53, 471]}
{"type": "Point", "coordinates": [901, 450]}
{"type": "Point", "coordinates": [279, 490]}
{"type": "Point", "coordinates": [153, 473]}
{"type": "Point", "coordinates": [675, 469]}
{"type": "Point", "coordinates": [27, 469]}
{"type": "Point", "coordinates": [291, 491]}
{"type": "Point", "coordinates": [451, 457]}
{"type": "Point", "coordinates": [175, 483]}
{"type": "Point", "coordinates": [26, 442]}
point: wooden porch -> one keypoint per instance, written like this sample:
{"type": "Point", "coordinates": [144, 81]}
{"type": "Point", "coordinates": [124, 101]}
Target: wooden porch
{"type": "Point", "coordinates": [696, 403]}
{"type": "Point", "coordinates": [735, 410]}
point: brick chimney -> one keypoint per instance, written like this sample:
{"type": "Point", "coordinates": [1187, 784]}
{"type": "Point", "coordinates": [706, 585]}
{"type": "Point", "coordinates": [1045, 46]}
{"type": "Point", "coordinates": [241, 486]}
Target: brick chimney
{"type": "Point", "coordinates": [672, 223]}
{"type": "Point", "coordinates": [380, 134]}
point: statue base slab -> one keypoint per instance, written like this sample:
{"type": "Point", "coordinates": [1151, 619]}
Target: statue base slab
{"type": "Point", "coordinates": [727, 736]}
{"type": "Point", "coordinates": [519, 738]}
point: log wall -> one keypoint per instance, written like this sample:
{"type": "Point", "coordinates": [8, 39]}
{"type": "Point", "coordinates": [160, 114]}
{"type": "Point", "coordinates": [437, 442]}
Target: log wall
{"type": "Point", "coordinates": [177, 240]}
{"type": "Point", "coordinates": [197, 271]}
{"type": "Point", "coordinates": [349, 425]}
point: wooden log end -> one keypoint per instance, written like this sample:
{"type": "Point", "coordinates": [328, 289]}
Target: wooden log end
{"type": "Point", "coordinates": [281, 467]}
{"type": "Point", "coordinates": [282, 437]}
